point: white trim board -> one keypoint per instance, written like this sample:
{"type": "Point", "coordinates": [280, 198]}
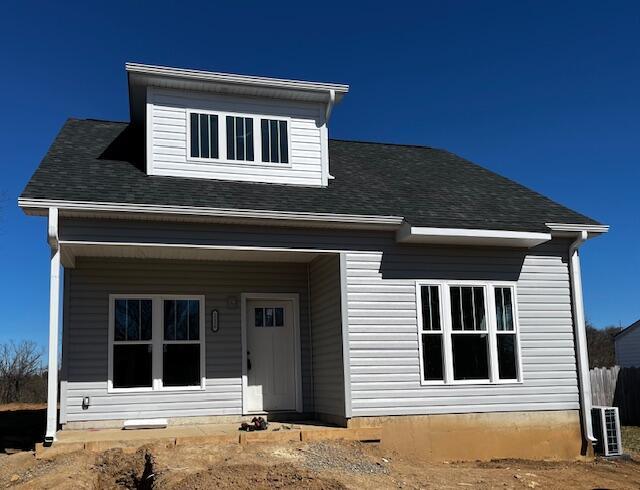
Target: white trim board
{"type": "Point", "coordinates": [295, 300]}
{"type": "Point", "coordinates": [32, 206]}
{"type": "Point", "coordinates": [70, 250]}
{"type": "Point", "coordinates": [405, 232]}
{"type": "Point", "coordinates": [232, 78]}
{"type": "Point", "coordinates": [569, 229]}
{"type": "Point", "coordinates": [463, 236]}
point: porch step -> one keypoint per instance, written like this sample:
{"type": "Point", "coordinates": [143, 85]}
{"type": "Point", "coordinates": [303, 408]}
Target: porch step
{"type": "Point", "coordinates": [130, 440]}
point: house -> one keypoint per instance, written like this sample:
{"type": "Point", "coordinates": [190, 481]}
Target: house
{"type": "Point", "coordinates": [627, 345]}
{"type": "Point", "coordinates": [223, 257]}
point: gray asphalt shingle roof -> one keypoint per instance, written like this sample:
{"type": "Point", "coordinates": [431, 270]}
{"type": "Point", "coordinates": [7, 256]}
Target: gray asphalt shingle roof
{"type": "Point", "coordinates": [102, 161]}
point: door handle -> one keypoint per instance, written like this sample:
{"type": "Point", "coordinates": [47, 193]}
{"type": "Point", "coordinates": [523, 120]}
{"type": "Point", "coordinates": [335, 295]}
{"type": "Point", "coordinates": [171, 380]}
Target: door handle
{"type": "Point", "coordinates": [248, 361]}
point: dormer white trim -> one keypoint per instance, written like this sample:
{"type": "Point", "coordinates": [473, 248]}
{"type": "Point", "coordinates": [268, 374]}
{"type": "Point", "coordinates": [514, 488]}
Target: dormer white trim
{"type": "Point", "coordinates": [162, 99]}
{"type": "Point", "coordinates": [142, 76]}
{"type": "Point", "coordinates": [339, 89]}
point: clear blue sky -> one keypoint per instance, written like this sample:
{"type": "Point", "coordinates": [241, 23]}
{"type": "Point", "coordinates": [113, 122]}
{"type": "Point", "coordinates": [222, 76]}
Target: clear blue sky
{"type": "Point", "coordinates": [544, 92]}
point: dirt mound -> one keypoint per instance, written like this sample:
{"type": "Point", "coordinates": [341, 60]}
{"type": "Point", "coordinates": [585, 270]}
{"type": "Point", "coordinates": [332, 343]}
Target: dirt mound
{"type": "Point", "coordinates": [253, 477]}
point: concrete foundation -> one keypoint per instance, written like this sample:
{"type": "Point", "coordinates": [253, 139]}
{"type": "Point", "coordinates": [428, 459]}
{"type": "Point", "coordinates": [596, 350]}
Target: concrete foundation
{"type": "Point", "coordinates": [546, 435]}
{"type": "Point", "coordinates": [205, 434]}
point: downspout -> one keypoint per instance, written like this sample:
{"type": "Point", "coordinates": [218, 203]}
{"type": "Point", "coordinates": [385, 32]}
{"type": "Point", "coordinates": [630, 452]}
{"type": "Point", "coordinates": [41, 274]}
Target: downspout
{"type": "Point", "coordinates": [54, 314]}
{"type": "Point", "coordinates": [330, 104]}
{"type": "Point", "coordinates": [327, 114]}
{"type": "Point", "coordinates": [581, 336]}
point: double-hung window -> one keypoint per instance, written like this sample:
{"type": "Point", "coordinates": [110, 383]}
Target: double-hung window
{"type": "Point", "coordinates": [431, 335]}
{"type": "Point", "coordinates": [507, 342]}
{"type": "Point", "coordinates": [181, 342]}
{"type": "Point", "coordinates": [156, 342]}
{"type": "Point", "coordinates": [132, 343]}
{"type": "Point", "coordinates": [468, 333]}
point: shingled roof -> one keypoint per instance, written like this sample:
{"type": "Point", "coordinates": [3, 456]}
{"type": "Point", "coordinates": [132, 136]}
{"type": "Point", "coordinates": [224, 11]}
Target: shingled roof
{"type": "Point", "coordinates": [101, 161]}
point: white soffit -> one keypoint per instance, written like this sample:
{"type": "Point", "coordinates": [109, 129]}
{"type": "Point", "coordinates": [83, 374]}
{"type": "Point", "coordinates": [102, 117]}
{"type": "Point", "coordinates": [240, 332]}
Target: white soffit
{"type": "Point", "coordinates": [72, 250]}
{"type": "Point", "coordinates": [461, 236]}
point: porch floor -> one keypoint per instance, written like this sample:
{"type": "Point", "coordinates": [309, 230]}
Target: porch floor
{"type": "Point", "coordinates": [202, 434]}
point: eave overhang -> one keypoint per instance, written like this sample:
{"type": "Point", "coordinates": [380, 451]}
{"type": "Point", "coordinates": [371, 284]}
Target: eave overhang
{"type": "Point", "coordinates": [568, 230]}
{"type": "Point", "coordinates": [141, 76]}
{"type": "Point", "coordinates": [83, 209]}
{"type": "Point", "coordinates": [462, 236]}
{"type": "Point", "coordinates": [404, 232]}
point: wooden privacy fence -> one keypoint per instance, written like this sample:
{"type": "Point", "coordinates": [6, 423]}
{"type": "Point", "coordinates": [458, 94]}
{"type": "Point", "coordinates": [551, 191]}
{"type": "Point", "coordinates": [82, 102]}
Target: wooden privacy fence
{"type": "Point", "coordinates": [618, 387]}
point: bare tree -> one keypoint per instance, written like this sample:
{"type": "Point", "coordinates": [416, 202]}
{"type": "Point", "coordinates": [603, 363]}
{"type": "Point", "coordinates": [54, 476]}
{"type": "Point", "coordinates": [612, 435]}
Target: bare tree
{"type": "Point", "coordinates": [601, 345]}
{"type": "Point", "coordinates": [20, 368]}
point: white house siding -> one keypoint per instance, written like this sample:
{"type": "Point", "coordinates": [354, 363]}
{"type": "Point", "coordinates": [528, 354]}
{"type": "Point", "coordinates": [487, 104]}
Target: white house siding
{"type": "Point", "coordinates": [382, 316]}
{"type": "Point", "coordinates": [326, 335]}
{"type": "Point", "coordinates": [167, 110]}
{"type": "Point", "coordinates": [628, 348]}
{"type": "Point", "coordinates": [86, 345]}
{"type": "Point", "coordinates": [385, 369]}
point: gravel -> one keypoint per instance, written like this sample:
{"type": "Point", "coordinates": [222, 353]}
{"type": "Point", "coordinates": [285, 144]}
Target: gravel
{"type": "Point", "coordinates": [322, 456]}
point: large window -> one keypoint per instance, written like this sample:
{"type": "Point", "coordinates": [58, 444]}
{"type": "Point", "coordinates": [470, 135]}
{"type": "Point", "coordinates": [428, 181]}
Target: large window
{"type": "Point", "coordinates": [156, 342]}
{"type": "Point", "coordinates": [233, 138]}
{"type": "Point", "coordinates": [470, 342]}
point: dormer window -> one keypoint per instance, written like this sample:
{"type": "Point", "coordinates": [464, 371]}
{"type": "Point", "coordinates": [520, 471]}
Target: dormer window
{"type": "Point", "coordinates": [204, 135]}
{"type": "Point", "coordinates": [240, 138]}
{"type": "Point", "coordinates": [275, 141]}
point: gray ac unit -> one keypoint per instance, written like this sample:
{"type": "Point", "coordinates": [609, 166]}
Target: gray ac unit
{"type": "Point", "coordinates": [606, 428]}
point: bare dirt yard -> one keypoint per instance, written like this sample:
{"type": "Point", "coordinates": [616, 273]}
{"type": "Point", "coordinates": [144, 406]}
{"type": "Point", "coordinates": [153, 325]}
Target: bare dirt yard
{"type": "Point", "coordinates": [320, 465]}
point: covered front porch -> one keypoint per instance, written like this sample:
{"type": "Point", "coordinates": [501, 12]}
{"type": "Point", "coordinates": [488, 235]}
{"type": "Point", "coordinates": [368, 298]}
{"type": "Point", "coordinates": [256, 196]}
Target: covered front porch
{"type": "Point", "coordinates": [199, 335]}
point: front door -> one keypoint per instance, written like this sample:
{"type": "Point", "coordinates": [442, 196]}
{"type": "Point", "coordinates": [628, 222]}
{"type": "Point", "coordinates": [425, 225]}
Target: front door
{"type": "Point", "coordinates": [271, 360]}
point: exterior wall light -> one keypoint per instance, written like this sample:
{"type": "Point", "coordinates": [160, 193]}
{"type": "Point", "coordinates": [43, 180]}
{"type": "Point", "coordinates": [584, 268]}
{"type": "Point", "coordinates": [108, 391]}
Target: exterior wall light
{"type": "Point", "coordinates": [215, 325]}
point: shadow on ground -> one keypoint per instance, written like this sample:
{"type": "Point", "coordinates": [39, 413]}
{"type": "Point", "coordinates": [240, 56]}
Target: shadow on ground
{"type": "Point", "coordinates": [22, 428]}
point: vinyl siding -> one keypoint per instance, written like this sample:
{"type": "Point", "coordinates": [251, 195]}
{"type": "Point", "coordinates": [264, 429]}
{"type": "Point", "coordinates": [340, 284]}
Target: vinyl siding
{"type": "Point", "coordinates": [382, 317]}
{"type": "Point", "coordinates": [385, 369]}
{"type": "Point", "coordinates": [326, 335]}
{"type": "Point", "coordinates": [85, 361]}
{"type": "Point", "coordinates": [308, 151]}
{"type": "Point", "coordinates": [628, 349]}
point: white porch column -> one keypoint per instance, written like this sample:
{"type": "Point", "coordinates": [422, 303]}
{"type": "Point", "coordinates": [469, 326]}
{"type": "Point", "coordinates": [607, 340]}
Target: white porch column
{"type": "Point", "coordinates": [54, 306]}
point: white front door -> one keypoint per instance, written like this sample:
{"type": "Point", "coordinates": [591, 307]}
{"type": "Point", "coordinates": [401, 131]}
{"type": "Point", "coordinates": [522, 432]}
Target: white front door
{"type": "Point", "coordinates": [271, 360]}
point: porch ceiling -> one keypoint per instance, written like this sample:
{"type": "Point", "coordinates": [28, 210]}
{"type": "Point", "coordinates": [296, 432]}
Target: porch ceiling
{"type": "Point", "coordinates": [72, 250]}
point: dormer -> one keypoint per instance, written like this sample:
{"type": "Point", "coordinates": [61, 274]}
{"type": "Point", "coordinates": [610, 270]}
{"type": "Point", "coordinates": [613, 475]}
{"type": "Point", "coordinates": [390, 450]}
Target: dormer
{"type": "Point", "coordinates": [222, 126]}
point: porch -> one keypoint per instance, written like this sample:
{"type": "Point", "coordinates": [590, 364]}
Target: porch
{"type": "Point", "coordinates": [97, 440]}
{"type": "Point", "coordinates": [261, 333]}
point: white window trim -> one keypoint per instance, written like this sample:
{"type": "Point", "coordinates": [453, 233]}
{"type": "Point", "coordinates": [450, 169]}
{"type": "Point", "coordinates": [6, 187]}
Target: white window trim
{"type": "Point", "coordinates": [222, 139]}
{"type": "Point", "coordinates": [157, 342]}
{"type": "Point", "coordinates": [446, 323]}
